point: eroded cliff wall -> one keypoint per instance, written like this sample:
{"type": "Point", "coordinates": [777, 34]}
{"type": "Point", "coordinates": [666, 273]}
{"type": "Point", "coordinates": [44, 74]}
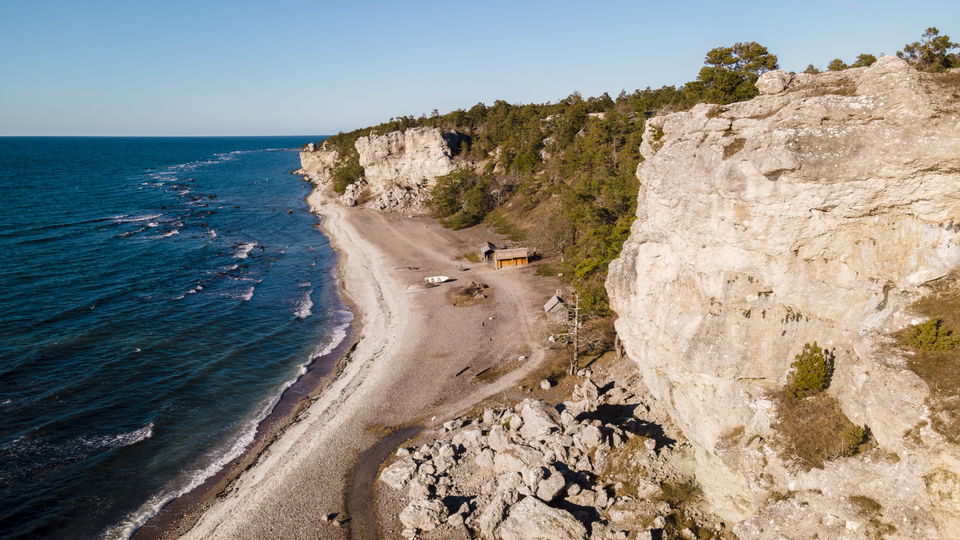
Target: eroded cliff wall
{"type": "Point", "coordinates": [399, 167]}
{"type": "Point", "coordinates": [818, 211]}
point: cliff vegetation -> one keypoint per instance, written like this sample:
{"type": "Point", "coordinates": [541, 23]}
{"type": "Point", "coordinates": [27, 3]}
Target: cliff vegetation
{"type": "Point", "coordinates": [562, 176]}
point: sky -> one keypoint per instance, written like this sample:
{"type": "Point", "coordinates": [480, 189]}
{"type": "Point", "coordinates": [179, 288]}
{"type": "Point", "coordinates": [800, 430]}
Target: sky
{"type": "Point", "coordinates": [286, 67]}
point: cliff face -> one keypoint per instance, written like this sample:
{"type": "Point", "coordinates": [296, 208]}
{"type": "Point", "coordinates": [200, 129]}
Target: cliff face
{"type": "Point", "coordinates": [818, 211]}
{"type": "Point", "coordinates": [399, 168]}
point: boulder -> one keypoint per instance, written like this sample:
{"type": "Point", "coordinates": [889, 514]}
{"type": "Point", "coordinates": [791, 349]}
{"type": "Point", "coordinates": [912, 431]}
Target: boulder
{"type": "Point", "coordinates": [531, 519]}
{"type": "Point", "coordinates": [398, 474]}
{"type": "Point", "coordinates": [773, 82]}
{"type": "Point", "coordinates": [423, 514]}
{"type": "Point", "coordinates": [539, 419]}
{"type": "Point", "coordinates": [491, 514]}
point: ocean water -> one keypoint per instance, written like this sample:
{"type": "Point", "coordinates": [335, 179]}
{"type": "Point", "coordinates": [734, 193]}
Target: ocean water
{"type": "Point", "coordinates": [157, 295]}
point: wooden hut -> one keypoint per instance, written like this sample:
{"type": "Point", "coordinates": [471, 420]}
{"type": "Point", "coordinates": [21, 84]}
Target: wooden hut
{"type": "Point", "coordinates": [486, 251]}
{"type": "Point", "coordinates": [556, 309]}
{"type": "Point", "coordinates": [511, 257]}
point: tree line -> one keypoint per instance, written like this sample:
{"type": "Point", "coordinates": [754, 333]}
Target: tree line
{"type": "Point", "coordinates": [571, 165]}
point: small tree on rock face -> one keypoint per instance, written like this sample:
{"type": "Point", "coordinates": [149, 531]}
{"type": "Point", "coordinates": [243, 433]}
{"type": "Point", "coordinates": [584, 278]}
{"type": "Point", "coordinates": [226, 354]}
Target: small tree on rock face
{"type": "Point", "coordinates": [730, 73]}
{"type": "Point", "coordinates": [932, 53]}
{"type": "Point", "coordinates": [932, 335]}
{"type": "Point", "coordinates": [864, 60]}
{"type": "Point", "coordinates": [837, 65]}
{"type": "Point", "coordinates": [812, 370]}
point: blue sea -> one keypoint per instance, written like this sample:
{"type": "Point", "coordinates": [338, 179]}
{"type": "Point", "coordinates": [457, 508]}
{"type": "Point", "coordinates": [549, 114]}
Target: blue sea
{"type": "Point", "coordinates": [157, 296]}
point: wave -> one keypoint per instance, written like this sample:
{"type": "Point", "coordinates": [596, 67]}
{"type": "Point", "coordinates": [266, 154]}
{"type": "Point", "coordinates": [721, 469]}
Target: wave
{"type": "Point", "coordinates": [247, 295]}
{"type": "Point", "coordinates": [243, 250]}
{"type": "Point", "coordinates": [194, 290]}
{"type": "Point", "coordinates": [246, 436]}
{"type": "Point", "coordinates": [32, 454]}
{"type": "Point", "coordinates": [120, 439]}
{"type": "Point", "coordinates": [304, 306]}
{"type": "Point", "coordinates": [128, 219]}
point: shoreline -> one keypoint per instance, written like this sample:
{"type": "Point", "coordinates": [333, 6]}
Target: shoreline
{"type": "Point", "coordinates": [177, 515]}
{"type": "Point", "coordinates": [399, 372]}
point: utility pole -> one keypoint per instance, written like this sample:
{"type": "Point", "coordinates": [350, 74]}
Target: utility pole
{"type": "Point", "coordinates": [575, 333]}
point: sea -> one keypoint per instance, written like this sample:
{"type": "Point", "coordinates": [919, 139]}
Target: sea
{"type": "Point", "coordinates": [157, 296]}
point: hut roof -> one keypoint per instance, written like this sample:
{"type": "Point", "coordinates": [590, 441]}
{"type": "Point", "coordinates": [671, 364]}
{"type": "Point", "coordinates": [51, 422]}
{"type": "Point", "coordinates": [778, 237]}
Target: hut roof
{"type": "Point", "coordinates": [553, 302]}
{"type": "Point", "coordinates": [487, 248]}
{"type": "Point", "coordinates": [514, 253]}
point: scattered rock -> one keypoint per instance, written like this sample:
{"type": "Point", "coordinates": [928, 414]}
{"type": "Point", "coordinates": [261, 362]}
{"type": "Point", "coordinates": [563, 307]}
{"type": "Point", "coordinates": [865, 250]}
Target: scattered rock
{"type": "Point", "coordinates": [531, 519]}
{"type": "Point", "coordinates": [423, 514]}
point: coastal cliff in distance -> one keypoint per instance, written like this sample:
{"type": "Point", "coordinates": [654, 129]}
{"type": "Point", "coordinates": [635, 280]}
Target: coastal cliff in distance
{"type": "Point", "coordinates": [821, 211]}
{"type": "Point", "coordinates": [396, 169]}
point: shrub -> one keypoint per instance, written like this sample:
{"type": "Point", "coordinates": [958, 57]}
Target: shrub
{"type": "Point", "coordinates": [347, 171]}
{"type": "Point", "coordinates": [931, 336]}
{"type": "Point", "coordinates": [812, 370]}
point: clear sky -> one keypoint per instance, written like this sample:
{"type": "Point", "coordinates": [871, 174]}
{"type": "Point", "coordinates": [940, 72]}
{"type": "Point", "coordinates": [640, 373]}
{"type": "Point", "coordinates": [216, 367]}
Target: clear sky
{"type": "Point", "coordinates": [138, 67]}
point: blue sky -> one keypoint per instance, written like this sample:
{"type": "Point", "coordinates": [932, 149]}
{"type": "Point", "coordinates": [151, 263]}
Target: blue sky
{"type": "Point", "coordinates": [288, 67]}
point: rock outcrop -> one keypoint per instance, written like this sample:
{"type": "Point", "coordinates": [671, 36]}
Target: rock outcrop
{"type": "Point", "coordinates": [399, 167]}
{"type": "Point", "coordinates": [818, 211]}
{"type": "Point", "coordinates": [594, 466]}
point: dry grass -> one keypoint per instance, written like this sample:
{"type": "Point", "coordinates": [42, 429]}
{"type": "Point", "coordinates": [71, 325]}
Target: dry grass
{"type": "Point", "coordinates": [841, 88]}
{"type": "Point", "coordinates": [940, 369]}
{"type": "Point", "coordinates": [503, 225]}
{"type": "Point", "coordinates": [872, 511]}
{"type": "Point", "coordinates": [469, 256]}
{"type": "Point", "coordinates": [471, 295]}
{"type": "Point", "coordinates": [733, 148]}
{"type": "Point", "coordinates": [815, 430]}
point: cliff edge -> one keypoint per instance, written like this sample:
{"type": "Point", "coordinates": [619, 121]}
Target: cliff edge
{"type": "Point", "coordinates": [396, 169]}
{"type": "Point", "coordinates": [819, 211]}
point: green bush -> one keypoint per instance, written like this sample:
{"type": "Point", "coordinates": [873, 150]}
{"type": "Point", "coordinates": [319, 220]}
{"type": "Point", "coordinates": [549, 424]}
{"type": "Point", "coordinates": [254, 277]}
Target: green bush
{"type": "Point", "coordinates": [812, 370]}
{"type": "Point", "coordinates": [347, 171]}
{"type": "Point", "coordinates": [931, 336]}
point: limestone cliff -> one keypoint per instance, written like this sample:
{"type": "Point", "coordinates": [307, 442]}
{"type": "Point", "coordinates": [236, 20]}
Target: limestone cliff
{"type": "Point", "coordinates": [818, 211]}
{"type": "Point", "coordinates": [399, 167]}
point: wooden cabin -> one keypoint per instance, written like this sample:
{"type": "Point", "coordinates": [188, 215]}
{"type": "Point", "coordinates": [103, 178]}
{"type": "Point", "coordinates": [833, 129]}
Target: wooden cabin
{"type": "Point", "coordinates": [556, 309]}
{"type": "Point", "coordinates": [486, 251]}
{"type": "Point", "coordinates": [511, 257]}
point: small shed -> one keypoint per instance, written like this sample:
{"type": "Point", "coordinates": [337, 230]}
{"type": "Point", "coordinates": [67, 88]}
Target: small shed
{"type": "Point", "coordinates": [511, 257]}
{"type": "Point", "coordinates": [556, 309]}
{"type": "Point", "coordinates": [486, 251]}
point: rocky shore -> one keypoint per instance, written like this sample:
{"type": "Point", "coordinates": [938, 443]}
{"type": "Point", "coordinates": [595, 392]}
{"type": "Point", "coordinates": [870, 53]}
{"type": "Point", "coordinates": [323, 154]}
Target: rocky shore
{"type": "Point", "coordinates": [603, 464]}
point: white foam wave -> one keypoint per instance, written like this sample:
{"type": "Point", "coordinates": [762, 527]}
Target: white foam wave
{"type": "Point", "coordinates": [243, 250]}
{"type": "Point", "coordinates": [120, 439]}
{"type": "Point", "coordinates": [211, 233]}
{"type": "Point", "coordinates": [305, 306]}
{"type": "Point", "coordinates": [152, 224]}
{"type": "Point", "coordinates": [225, 454]}
{"type": "Point", "coordinates": [247, 295]}
{"type": "Point", "coordinates": [194, 290]}
{"type": "Point", "coordinates": [130, 233]}
{"type": "Point", "coordinates": [168, 234]}
{"type": "Point", "coordinates": [128, 219]}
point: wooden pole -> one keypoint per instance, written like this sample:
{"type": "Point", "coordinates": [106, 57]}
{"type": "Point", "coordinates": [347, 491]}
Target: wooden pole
{"type": "Point", "coordinates": [575, 332]}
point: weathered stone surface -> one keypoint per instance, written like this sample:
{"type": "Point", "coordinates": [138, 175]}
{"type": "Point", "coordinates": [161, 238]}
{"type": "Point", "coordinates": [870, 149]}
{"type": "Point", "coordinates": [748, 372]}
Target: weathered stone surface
{"type": "Point", "coordinates": [773, 82]}
{"type": "Point", "coordinates": [539, 419]}
{"type": "Point", "coordinates": [398, 474]}
{"type": "Point", "coordinates": [399, 167]}
{"type": "Point", "coordinates": [820, 214]}
{"type": "Point", "coordinates": [423, 514]}
{"type": "Point", "coordinates": [531, 519]}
